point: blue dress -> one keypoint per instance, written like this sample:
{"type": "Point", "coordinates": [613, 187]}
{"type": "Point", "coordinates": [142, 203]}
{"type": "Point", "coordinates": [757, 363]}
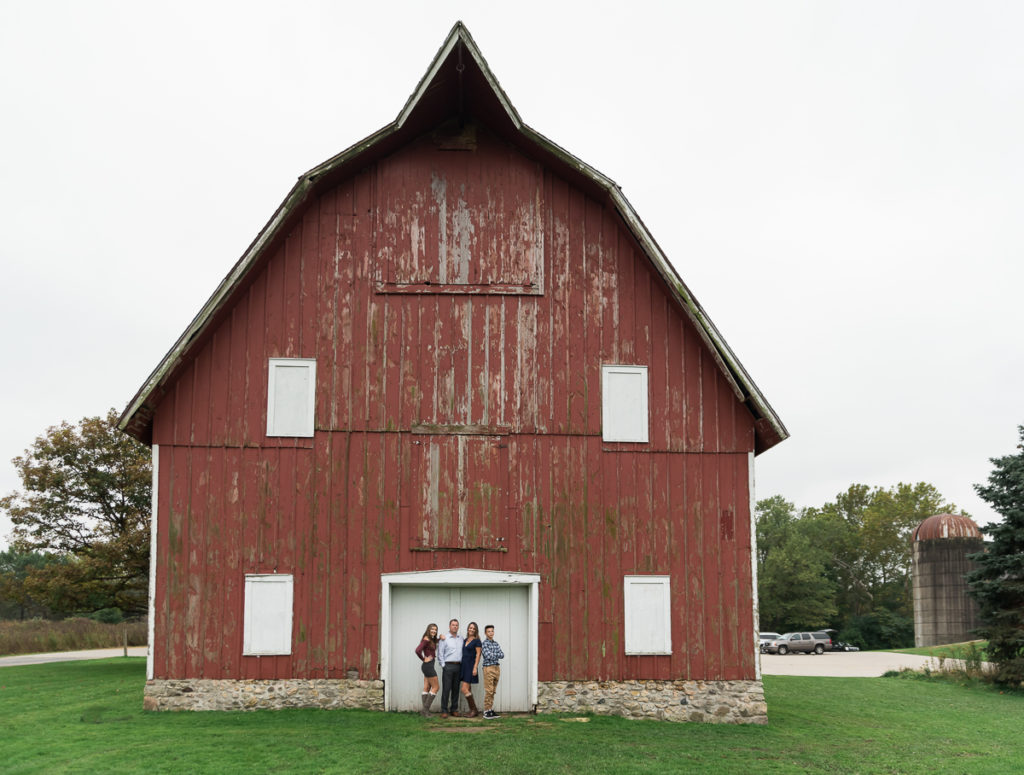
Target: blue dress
{"type": "Point", "coordinates": [468, 660]}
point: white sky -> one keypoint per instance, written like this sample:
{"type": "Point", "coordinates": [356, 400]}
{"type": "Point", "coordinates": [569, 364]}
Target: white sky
{"type": "Point", "coordinates": [841, 184]}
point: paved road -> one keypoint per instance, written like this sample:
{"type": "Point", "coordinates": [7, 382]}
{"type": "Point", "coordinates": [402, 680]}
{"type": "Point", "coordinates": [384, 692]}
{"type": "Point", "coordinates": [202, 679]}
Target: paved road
{"type": "Point", "coordinates": [842, 664]}
{"type": "Point", "coordinates": [70, 656]}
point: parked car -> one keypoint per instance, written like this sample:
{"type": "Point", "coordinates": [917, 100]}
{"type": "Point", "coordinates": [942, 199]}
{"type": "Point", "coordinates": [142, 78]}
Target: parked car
{"type": "Point", "coordinates": [838, 645]}
{"type": "Point", "coordinates": [800, 642]}
{"type": "Point", "coordinates": [768, 636]}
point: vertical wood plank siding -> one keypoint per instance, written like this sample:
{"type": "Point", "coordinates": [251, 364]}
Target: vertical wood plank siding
{"type": "Point", "coordinates": [525, 479]}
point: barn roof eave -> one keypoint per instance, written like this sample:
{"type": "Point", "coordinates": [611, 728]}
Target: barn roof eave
{"type": "Point", "coordinates": [136, 418]}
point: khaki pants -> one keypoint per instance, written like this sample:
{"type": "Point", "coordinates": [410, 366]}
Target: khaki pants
{"type": "Point", "coordinates": [491, 675]}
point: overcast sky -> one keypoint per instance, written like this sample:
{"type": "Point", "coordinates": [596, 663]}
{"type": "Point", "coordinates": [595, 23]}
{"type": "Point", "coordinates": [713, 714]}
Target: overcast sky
{"type": "Point", "coordinates": [841, 185]}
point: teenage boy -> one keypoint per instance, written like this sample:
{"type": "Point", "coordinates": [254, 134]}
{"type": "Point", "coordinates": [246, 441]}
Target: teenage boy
{"type": "Point", "coordinates": [490, 653]}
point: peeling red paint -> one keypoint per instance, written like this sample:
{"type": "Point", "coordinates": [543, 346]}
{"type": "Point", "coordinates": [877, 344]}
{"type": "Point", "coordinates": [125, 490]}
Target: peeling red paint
{"type": "Point", "coordinates": [459, 305]}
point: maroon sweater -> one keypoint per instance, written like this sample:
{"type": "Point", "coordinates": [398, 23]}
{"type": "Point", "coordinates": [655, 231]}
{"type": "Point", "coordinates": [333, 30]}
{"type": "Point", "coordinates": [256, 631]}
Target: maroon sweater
{"type": "Point", "coordinates": [425, 650]}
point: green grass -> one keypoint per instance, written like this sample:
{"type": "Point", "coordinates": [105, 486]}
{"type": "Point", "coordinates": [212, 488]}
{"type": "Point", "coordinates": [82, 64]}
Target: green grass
{"type": "Point", "coordinates": [87, 717]}
{"type": "Point", "coordinates": [949, 651]}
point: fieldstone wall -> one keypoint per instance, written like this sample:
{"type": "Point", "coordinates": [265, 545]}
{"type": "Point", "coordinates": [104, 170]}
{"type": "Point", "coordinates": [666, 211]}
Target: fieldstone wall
{"type": "Point", "coordinates": [251, 694]}
{"type": "Point", "coordinates": [718, 702]}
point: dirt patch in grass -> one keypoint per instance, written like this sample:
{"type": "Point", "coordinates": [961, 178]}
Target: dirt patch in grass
{"type": "Point", "coordinates": [459, 728]}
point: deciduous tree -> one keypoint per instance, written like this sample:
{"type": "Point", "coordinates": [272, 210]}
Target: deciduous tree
{"type": "Point", "coordinates": [16, 600]}
{"type": "Point", "coordinates": [868, 533]}
{"type": "Point", "coordinates": [86, 498]}
{"type": "Point", "coordinates": [794, 590]}
{"type": "Point", "coordinates": [844, 564]}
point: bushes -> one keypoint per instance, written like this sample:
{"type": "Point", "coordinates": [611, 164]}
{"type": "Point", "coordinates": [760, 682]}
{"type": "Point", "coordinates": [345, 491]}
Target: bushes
{"type": "Point", "coordinates": [36, 636]}
{"type": "Point", "coordinates": [967, 667]}
{"type": "Point", "coordinates": [880, 629]}
{"type": "Point", "coordinates": [108, 616]}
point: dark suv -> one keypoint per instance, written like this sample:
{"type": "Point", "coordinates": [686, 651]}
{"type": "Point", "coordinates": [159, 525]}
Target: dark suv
{"type": "Point", "coordinates": [806, 642]}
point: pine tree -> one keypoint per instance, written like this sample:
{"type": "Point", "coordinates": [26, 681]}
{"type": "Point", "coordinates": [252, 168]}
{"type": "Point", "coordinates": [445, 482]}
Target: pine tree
{"type": "Point", "coordinates": [998, 582]}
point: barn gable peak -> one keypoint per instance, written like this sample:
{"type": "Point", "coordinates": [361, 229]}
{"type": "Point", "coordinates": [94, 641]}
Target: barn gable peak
{"type": "Point", "coordinates": [457, 86]}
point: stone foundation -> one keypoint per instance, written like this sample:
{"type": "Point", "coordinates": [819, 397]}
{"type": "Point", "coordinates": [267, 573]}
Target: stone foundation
{"type": "Point", "coordinates": [718, 702]}
{"type": "Point", "coordinates": [251, 694]}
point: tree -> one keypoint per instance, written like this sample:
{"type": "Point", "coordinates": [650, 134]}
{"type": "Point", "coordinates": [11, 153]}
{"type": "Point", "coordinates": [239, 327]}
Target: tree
{"type": "Point", "coordinates": [845, 564]}
{"type": "Point", "coordinates": [868, 534]}
{"type": "Point", "coordinates": [881, 629]}
{"type": "Point", "coordinates": [86, 498]}
{"type": "Point", "coordinates": [888, 523]}
{"type": "Point", "coordinates": [794, 590]}
{"type": "Point", "coordinates": [16, 601]}
{"type": "Point", "coordinates": [998, 582]}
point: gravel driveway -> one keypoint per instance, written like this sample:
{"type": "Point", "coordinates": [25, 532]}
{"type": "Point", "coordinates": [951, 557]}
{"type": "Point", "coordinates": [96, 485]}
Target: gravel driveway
{"type": "Point", "coordinates": [842, 664]}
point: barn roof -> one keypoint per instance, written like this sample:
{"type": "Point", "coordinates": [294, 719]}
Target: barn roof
{"type": "Point", "coordinates": [458, 82]}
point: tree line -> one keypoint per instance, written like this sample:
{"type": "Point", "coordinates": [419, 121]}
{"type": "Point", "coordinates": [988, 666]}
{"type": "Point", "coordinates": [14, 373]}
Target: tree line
{"type": "Point", "coordinates": [844, 565]}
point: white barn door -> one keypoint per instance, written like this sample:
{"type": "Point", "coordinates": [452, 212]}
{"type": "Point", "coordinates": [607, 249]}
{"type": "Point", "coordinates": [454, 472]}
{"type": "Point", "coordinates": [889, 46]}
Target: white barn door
{"type": "Point", "coordinates": [414, 607]}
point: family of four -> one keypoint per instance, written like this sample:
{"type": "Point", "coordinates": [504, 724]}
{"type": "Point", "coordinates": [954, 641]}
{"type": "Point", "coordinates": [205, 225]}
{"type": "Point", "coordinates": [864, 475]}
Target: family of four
{"type": "Point", "coordinates": [460, 659]}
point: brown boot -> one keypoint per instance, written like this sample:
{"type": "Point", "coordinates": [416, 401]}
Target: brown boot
{"type": "Point", "coordinates": [428, 700]}
{"type": "Point", "coordinates": [472, 706]}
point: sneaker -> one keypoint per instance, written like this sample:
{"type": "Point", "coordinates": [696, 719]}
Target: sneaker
{"type": "Point", "coordinates": [495, 714]}
{"type": "Point", "coordinates": [488, 714]}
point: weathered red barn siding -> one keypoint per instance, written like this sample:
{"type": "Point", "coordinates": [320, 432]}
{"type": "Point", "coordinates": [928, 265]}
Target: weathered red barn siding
{"type": "Point", "coordinates": [502, 384]}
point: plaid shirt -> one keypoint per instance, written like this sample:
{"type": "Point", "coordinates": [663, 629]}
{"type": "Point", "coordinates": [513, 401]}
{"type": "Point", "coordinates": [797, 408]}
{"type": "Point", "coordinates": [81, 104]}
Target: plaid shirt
{"type": "Point", "coordinates": [491, 652]}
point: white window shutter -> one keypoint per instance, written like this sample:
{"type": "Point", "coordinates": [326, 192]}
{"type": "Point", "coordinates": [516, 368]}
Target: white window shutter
{"type": "Point", "coordinates": [268, 614]}
{"type": "Point", "coordinates": [291, 397]}
{"type": "Point", "coordinates": [648, 616]}
{"type": "Point", "coordinates": [624, 403]}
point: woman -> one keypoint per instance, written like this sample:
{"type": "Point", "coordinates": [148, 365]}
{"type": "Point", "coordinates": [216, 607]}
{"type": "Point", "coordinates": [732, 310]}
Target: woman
{"type": "Point", "coordinates": [426, 651]}
{"type": "Point", "coordinates": [470, 665]}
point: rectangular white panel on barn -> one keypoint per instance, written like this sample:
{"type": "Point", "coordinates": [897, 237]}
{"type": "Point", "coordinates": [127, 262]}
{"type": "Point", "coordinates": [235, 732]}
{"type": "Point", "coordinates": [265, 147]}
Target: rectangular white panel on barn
{"type": "Point", "coordinates": [268, 614]}
{"type": "Point", "coordinates": [506, 607]}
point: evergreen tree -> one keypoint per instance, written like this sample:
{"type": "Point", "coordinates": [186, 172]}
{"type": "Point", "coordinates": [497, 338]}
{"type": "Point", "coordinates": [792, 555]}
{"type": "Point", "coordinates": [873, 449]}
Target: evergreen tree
{"type": "Point", "coordinates": [998, 583]}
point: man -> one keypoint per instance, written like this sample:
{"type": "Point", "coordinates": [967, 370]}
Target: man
{"type": "Point", "coordinates": [449, 656]}
{"type": "Point", "coordinates": [491, 653]}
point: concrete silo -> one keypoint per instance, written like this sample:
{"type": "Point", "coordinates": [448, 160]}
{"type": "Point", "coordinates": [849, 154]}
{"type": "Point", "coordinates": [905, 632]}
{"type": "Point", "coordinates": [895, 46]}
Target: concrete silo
{"type": "Point", "coordinates": [943, 611]}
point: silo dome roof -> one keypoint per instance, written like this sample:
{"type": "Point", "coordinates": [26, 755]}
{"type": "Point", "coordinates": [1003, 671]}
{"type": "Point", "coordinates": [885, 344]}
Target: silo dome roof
{"type": "Point", "coordinates": [946, 526]}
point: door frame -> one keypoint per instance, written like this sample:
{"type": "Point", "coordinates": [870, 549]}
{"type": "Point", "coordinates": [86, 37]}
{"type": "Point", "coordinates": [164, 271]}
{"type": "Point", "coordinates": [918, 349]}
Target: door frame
{"type": "Point", "coordinates": [460, 577]}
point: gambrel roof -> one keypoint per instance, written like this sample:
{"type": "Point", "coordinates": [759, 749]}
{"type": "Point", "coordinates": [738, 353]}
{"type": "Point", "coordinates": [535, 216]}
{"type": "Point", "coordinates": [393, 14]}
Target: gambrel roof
{"type": "Point", "coordinates": [457, 82]}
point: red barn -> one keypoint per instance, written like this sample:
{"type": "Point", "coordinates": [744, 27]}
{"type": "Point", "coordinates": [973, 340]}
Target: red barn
{"type": "Point", "coordinates": [454, 375]}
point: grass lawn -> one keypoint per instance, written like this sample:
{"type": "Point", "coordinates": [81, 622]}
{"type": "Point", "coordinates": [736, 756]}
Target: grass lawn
{"type": "Point", "coordinates": [950, 651]}
{"type": "Point", "coordinates": [87, 717]}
